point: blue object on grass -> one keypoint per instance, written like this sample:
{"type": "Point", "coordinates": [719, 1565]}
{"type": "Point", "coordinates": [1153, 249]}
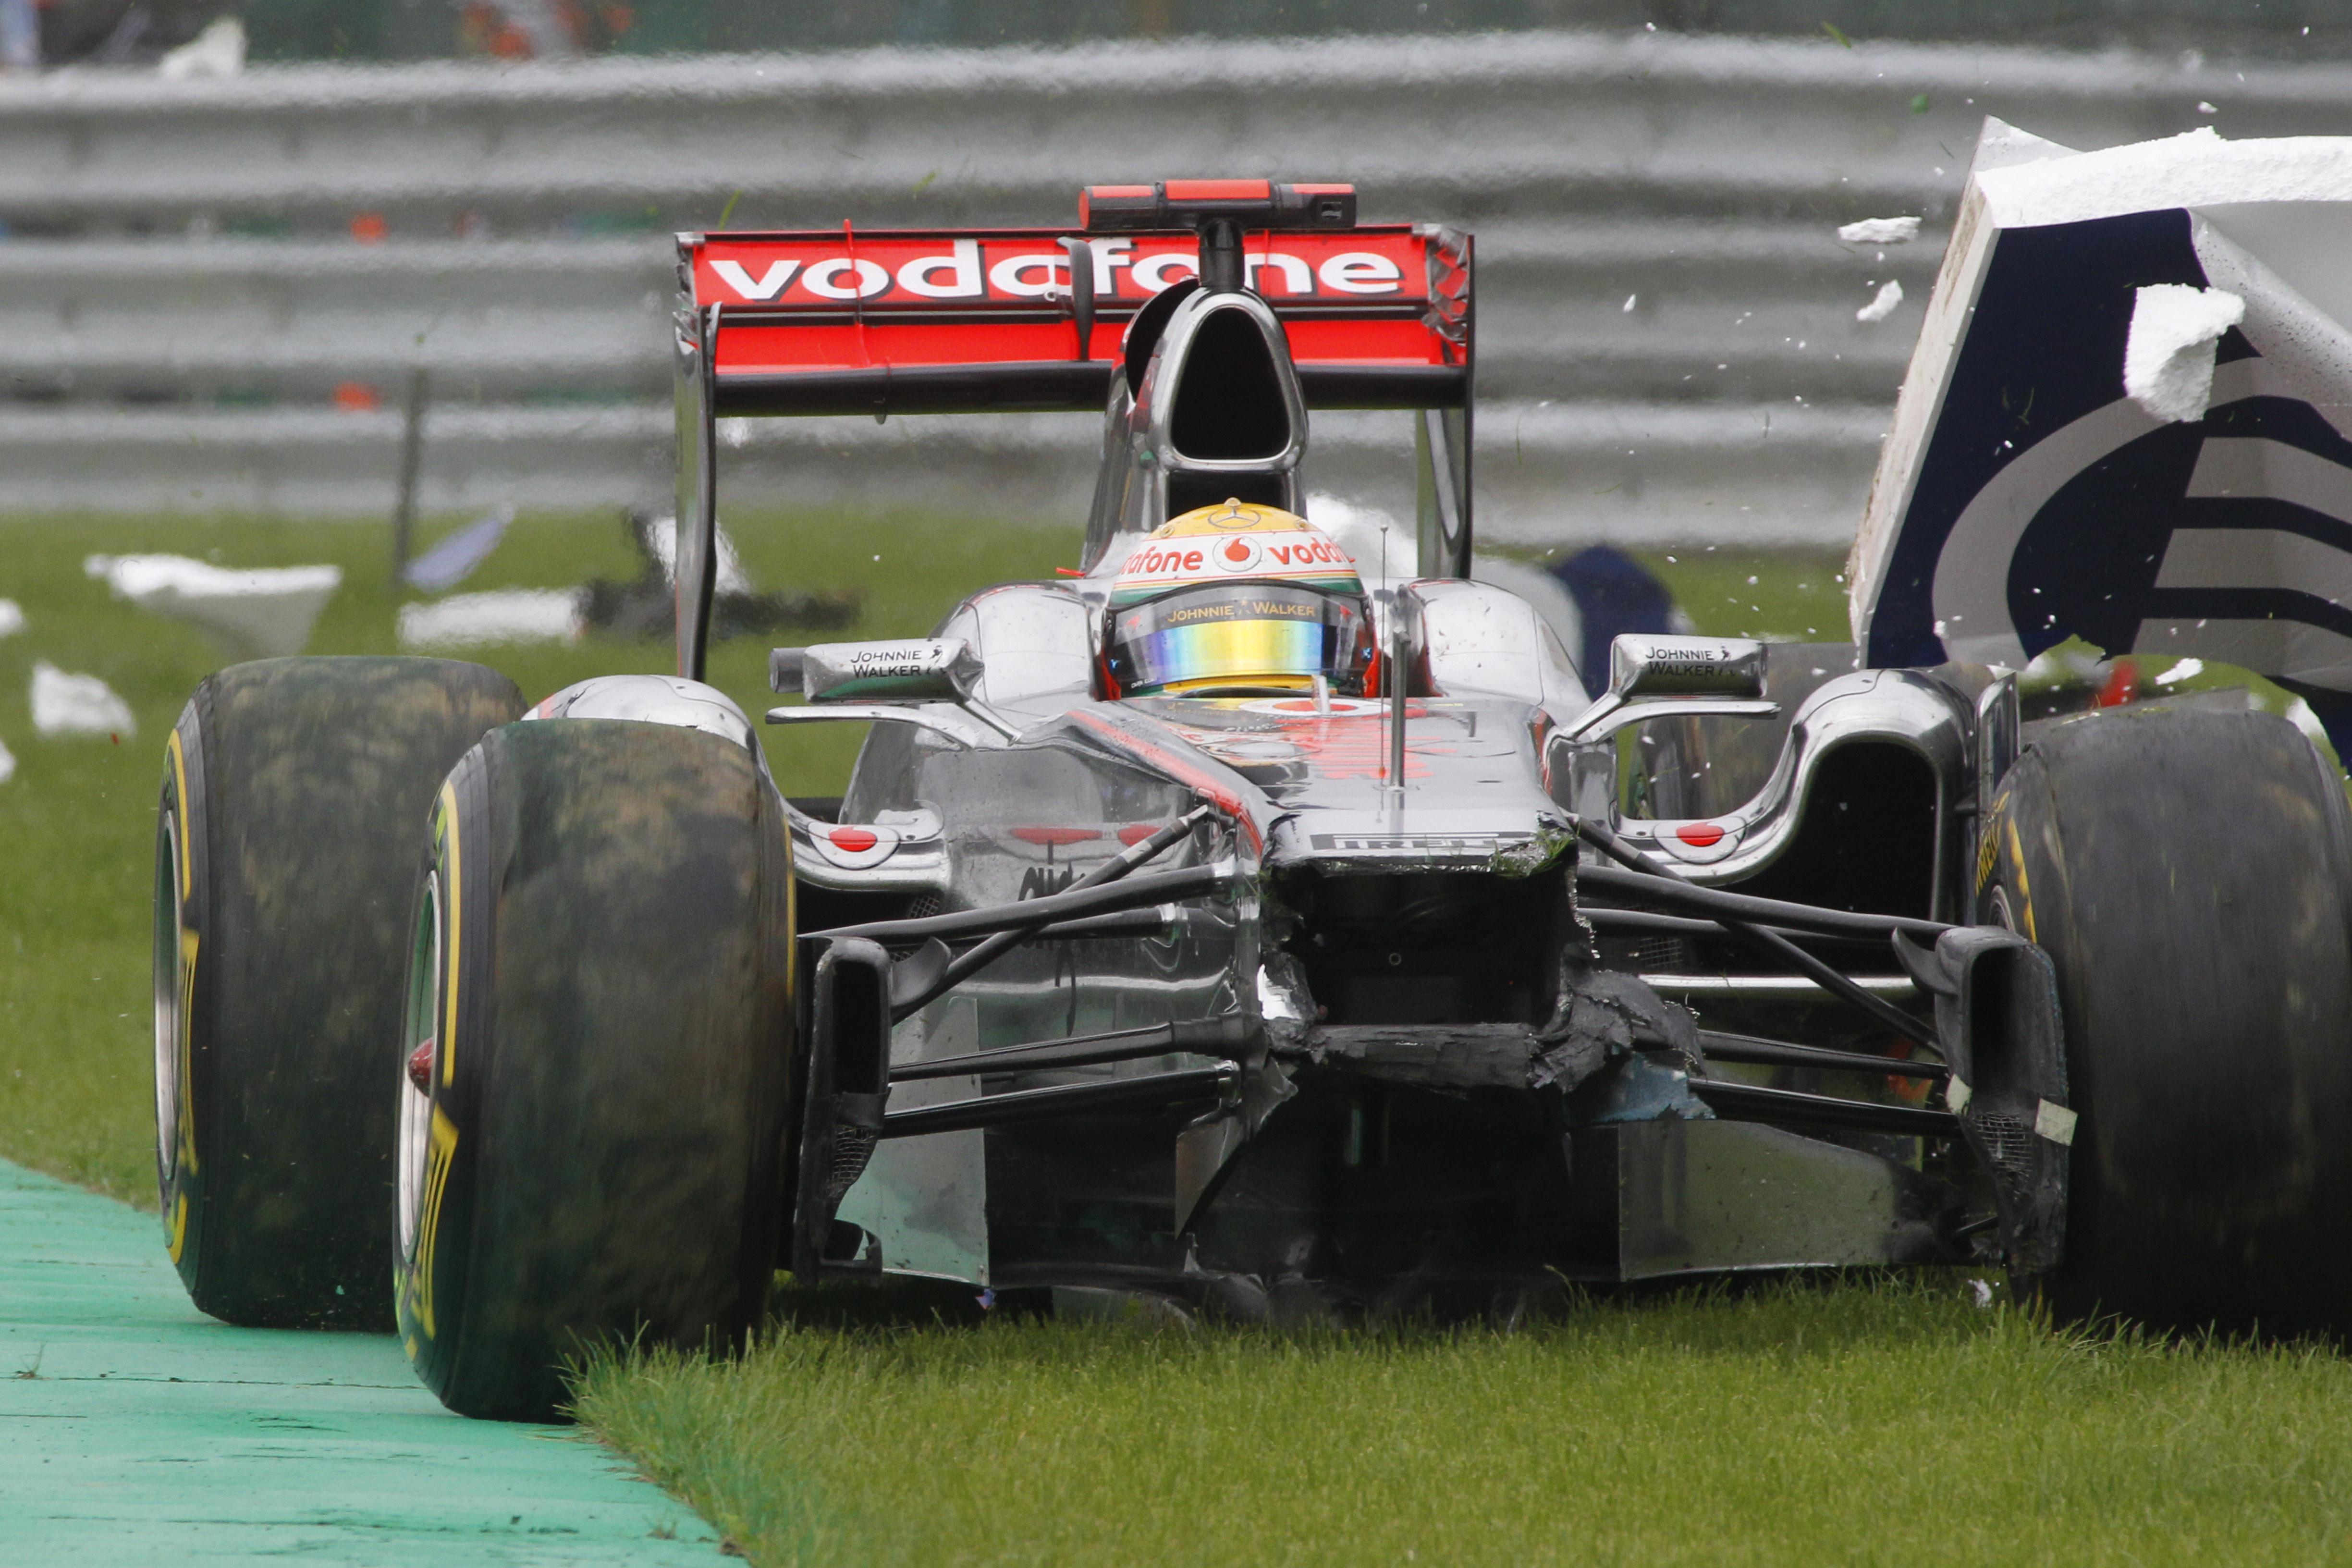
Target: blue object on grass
{"type": "Point", "coordinates": [453, 559]}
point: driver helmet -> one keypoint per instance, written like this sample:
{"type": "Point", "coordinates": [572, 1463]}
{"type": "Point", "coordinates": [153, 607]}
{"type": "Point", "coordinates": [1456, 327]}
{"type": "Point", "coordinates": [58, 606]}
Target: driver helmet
{"type": "Point", "coordinates": [1237, 598]}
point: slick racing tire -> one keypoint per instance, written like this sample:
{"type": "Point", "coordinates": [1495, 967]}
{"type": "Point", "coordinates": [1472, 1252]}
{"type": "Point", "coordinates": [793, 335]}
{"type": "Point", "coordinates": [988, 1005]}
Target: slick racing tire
{"type": "Point", "coordinates": [594, 1107]}
{"type": "Point", "coordinates": [2187, 874]}
{"type": "Point", "coordinates": [293, 818]}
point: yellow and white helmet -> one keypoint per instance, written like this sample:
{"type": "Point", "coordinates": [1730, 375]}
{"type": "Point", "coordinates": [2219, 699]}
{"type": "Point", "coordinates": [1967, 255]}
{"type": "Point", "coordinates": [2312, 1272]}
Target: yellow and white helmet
{"type": "Point", "coordinates": [1237, 598]}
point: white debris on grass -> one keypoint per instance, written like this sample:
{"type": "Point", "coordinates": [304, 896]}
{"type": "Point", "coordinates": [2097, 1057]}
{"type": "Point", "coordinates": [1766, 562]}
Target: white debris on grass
{"type": "Point", "coordinates": [506, 616]}
{"type": "Point", "coordinates": [265, 613]}
{"type": "Point", "coordinates": [1880, 231]}
{"type": "Point", "coordinates": [219, 50]}
{"type": "Point", "coordinates": [2187, 670]}
{"type": "Point", "coordinates": [1982, 1291]}
{"type": "Point", "coordinates": [7, 762]}
{"type": "Point", "coordinates": [662, 536]}
{"type": "Point", "coordinates": [2168, 357]}
{"type": "Point", "coordinates": [12, 617]}
{"type": "Point", "coordinates": [66, 704]}
{"type": "Point", "coordinates": [1890, 294]}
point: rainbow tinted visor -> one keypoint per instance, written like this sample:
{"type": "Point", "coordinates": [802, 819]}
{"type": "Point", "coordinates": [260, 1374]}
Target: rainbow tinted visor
{"type": "Point", "coordinates": [1240, 637]}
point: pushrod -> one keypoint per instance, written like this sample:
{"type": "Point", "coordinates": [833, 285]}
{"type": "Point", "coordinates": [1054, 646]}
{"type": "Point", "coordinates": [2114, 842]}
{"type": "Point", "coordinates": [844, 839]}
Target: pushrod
{"type": "Point", "coordinates": [1719, 1047]}
{"type": "Point", "coordinates": [1150, 1091]}
{"type": "Point", "coordinates": [1225, 1036]}
{"type": "Point", "coordinates": [1027, 914]}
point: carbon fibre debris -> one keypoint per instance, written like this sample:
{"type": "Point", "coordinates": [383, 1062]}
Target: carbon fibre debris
{"type": "Point", "coordinates": [133, 1429]}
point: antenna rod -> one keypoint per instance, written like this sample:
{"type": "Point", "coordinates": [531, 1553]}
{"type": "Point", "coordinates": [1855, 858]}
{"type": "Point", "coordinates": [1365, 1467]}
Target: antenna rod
{"type": "Point", "coordinates": [1396, 697]}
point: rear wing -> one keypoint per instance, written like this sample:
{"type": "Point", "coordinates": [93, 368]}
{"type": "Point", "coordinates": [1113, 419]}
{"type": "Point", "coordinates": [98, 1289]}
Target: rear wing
{"type": "Point", "coordinates": [971, 320]}
{"type": "Point", "coordinates": [883, 321]}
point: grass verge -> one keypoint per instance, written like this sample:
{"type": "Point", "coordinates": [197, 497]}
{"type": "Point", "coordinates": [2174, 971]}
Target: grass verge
{"type": "Point", "coordinates": [1888, 1421]}
{"type": "Point", "coordinates": [76, 1030]}
{"type": "Point", "coordinates": [1866, 1422]}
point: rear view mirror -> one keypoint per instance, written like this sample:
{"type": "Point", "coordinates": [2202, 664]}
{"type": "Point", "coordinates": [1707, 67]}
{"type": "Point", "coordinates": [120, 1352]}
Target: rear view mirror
{"type": "Point", "coordinates": [1685, 666]}
{"type": "Point", "coordinates": [923, 669]}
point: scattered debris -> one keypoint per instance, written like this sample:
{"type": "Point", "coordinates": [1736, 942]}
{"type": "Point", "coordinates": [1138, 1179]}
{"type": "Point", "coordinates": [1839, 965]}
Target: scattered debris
{"type": "Point", "coordinates": [265, 613]}
{"type": "Point", "coordinates": [453, 559]}
{"type": "Point", "coordinates": [12, 617]}
{"type": "Point", "coordinates": [1983, 1291]}
{"type": "Point", "coordinates": [1890, 294]}
{"type": "Point", "coordinates": [1880, 231]}
{"type": "Point", "coordinates": [2168, 357]}
{"type": "Point", "coordinates": [504, 615]}
{"type": "Point", "coordinates": [66, 704]}
{"type": "Point", "coordinates": [219, 50]}
{"type": "Point", "coordinates": [2046, 475]}
{"type": "Point", "coordinates": [7, 762]}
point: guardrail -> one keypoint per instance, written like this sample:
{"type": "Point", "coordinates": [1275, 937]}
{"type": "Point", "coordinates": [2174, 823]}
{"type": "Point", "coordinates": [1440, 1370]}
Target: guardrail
{"type": "Point", "coordinates": [1668, 340]}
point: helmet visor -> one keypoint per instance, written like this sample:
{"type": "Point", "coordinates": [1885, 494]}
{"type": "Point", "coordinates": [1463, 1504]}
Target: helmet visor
{"type": "Point", "coordinates": [1238, 635]}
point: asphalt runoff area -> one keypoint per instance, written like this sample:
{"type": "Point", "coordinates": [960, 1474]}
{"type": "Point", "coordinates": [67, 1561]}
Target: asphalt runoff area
{"type": "Point", "coordinates": [133, 1429]}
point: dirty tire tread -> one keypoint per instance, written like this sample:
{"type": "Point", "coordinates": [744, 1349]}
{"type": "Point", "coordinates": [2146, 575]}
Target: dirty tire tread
{"type": "Point", "coordinates": [306, 783]}
{"type": "Point", "coordinates": [2189, 875]}
{"type": "Point", "coordinates": [619, 1092]}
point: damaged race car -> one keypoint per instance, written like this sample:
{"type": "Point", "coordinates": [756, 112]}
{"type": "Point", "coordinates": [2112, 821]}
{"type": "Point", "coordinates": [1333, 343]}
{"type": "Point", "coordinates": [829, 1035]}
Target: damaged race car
{"type": "Point", "coordinates": [1246, 923]}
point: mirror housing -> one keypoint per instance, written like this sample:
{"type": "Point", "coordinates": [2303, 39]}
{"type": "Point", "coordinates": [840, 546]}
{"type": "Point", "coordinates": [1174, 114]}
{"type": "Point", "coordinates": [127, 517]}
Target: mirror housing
{"type": "Point", "coordinates": [1729, 667]}
{"type": "Point", "coordinates": [913, 669]}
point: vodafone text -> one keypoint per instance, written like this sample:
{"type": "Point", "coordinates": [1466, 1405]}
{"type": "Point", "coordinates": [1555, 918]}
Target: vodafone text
{"type": "Point", "coordinates": [974, 272]}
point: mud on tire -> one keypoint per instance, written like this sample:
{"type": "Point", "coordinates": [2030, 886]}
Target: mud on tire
{"type": "Point", "coordinates": [601, 996]}
{"type": "Point", "coordinates": [292, 814]}
{"type": "Point", "coordinates": [2188, 873]}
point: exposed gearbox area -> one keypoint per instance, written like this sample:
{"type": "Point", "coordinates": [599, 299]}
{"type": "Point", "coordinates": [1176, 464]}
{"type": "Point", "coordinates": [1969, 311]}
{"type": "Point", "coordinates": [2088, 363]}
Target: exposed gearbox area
{"type": "Point", "coordinates": [1427, 947]}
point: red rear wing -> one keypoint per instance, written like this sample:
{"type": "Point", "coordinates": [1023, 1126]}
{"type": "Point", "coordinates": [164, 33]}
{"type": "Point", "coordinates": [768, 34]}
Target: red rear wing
{"type": "Point", "coordinates": [957, 321]}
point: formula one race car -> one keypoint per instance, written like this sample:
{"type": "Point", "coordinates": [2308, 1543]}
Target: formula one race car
{"type": "Point", "coordinates": [1238, 924]}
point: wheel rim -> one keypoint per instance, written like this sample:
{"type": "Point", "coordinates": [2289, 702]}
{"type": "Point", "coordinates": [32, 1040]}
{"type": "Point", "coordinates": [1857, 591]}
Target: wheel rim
{"type": "Point", "coordinates": [416, 1105]}
{"type": "Point", "coordinates": [171, 1013]}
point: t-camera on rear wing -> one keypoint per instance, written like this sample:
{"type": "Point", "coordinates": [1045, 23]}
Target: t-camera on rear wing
{"type": "Point", "coordinates": [885, 321]}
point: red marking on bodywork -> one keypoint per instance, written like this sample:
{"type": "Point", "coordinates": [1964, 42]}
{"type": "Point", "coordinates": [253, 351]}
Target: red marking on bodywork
{"type": "Point", "coordinates": [420, 1067]}
{"type": "Point", "coordinates": [1699, 835]}
{"type": "Point", "coordinates": [1137, 832]}
{"type": "Point", "coordinates": [2122, 686]}
{"type": "Point", "coordinates": [1055, 835]}
{"type": "Point", "coordinates": [1210, 786]}
{"type": "Point", "coordinates": [1356, 746]}
{"type": "Point", "coordinates": [855, 840]}
{"type": "Point", "coordinates": [1218, 190]}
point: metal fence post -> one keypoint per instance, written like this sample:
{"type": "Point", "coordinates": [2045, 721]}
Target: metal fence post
{"type": "Point", "coordinates": [411, 458]}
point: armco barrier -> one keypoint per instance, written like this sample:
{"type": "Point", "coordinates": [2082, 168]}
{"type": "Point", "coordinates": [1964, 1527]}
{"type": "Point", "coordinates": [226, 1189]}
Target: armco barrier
{"type": "Point", "coordinates": [1668, 340]}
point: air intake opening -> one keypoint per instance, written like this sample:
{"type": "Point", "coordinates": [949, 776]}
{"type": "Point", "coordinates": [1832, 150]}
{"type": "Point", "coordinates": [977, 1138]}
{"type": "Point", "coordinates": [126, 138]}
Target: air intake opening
{"type": "Point", "coordinates": [1229, 403]}
{"type": "Point", "coordinates": [1868, 839]}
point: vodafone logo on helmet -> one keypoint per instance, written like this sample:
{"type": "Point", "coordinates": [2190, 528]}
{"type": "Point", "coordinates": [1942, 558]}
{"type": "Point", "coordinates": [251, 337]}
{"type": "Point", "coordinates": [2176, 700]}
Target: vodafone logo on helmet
{"type": "Point", "coordinates": [1193, 558]}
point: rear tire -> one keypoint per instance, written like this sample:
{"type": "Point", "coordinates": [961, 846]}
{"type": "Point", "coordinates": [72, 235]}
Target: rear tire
{"type": "Point", "coordinates": [599, 1154]}
{"type": "Point", "coordinates": [2187, 874]}
{"type": "Point", "coordinates": [293, 816]}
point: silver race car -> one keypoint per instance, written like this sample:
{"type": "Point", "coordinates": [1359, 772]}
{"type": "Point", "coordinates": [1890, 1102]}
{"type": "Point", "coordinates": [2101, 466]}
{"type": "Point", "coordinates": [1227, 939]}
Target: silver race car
{"type": "Point", "coordinates": [1267, 919]}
